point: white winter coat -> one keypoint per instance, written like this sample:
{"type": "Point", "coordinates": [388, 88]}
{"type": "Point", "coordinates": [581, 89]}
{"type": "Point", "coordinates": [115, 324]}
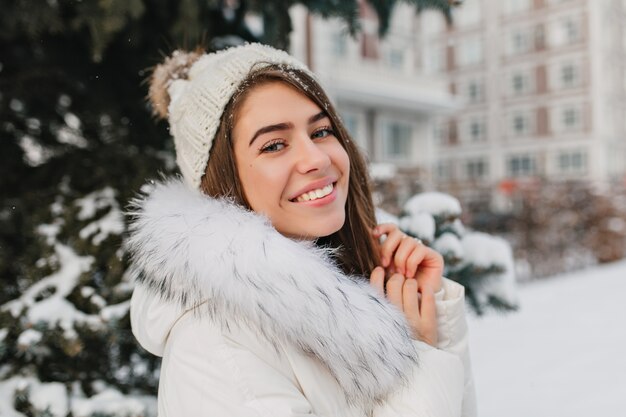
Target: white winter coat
{"type": "Point", "coordinates": [250, 323]}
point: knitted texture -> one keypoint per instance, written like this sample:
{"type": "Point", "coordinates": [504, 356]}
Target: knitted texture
{"type": "Point", "coordinates": [197, 103]}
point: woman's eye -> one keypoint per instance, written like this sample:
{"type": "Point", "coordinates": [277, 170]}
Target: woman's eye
{"type": "Point", "coordinates": [273, 147]}
{"type": "Point", "coordinates": [322, 133]}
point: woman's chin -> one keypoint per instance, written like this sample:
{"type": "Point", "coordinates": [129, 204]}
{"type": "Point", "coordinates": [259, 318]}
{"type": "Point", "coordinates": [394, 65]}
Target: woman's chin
{"type": "Point", "coordinates": [310, 230]}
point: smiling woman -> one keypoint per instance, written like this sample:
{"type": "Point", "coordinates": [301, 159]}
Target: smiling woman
{"type": "Point", "coordinates": [296, 173]}
{"type": "Point", "coordinates": [267, 134]}
{"type": "Point", "coordinates": [261, 278]}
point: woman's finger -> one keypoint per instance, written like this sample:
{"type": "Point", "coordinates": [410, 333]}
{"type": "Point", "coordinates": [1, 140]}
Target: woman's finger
{"type": "Point", "coordinates": [430, 270]}
{"type": "Point", "coordinates": [411, 304]}
{"type": "Point", "coordinates": [383, 229]}
{"type": "Point", "coordinates": [428, 318]}
{"type": "Point", "coordinates": [415, 258]}
{"type": "Point", "coordinates": [394, 290]}
{"type": "Point", "coordinates": [406, 247]}
{"type": "Point", "coordinates": [377, 280]}
{"type": "Point", "coordinates": [390, 245]}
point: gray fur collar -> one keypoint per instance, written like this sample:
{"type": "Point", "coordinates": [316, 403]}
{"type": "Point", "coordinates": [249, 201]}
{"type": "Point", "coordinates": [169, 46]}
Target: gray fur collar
{"type": "Point", "coordinates": [191, 248]}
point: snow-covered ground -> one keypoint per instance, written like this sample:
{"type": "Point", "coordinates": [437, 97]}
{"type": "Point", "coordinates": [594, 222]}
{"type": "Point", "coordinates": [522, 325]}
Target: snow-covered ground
{"type": "Point", "coordinates": [562, 354]}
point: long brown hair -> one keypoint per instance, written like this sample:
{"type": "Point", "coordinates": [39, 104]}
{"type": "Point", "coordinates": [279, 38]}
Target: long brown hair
{"type": "Point", "coordinates": [357, 252]}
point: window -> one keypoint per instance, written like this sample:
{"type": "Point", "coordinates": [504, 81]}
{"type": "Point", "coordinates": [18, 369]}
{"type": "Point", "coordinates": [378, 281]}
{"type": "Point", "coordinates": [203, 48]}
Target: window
{"type": "Point", "coordinates": [476, 169]}
{"type": "Point", "coordinates": [474, 91]}
{"type": "Point", "coordinates": [444, 170]}
{"type": "Point", "coordinates": [521, 165]}
{"type": "Point", "coordinates": [340, 44]}
{"type": "Point", "coordinates": [434, 60]}
{"type": "Point", "coordinates": [395, 57]}
{"type": "Point", "coordinates": [521, 124]}
{"type": "Point", "coordinates": [470, 51]}
{"type": "Point", "coordinates": [351, 123]}
{"type": "Point", "coordinates": [397, 141]}
{"type": "Point", "coordinates": [520, 41]}
{"type": "Point", "coordinates": [572, 162]}
{"type": "Point", "coordinates": [570, 118]}
{"type": "Point", "coordinates": [571, 30]}
{"type": "Point", "coordinates": [440, 131]}
{"type": "Point", "coordinates": [568, 75]}
{"type": "Point", "coordinates": [477, 130]}
{"type": "Point", "coordinates": [520, 83]}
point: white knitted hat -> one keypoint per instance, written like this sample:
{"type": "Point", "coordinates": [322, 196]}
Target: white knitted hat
{"type": "Point", "coordinates": [199, 88]}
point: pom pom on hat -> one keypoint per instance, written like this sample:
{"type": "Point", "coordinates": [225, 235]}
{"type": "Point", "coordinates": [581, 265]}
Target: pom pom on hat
{"type": "Point", "coordinates": [175, 67]}
{"type": "Point", "coordinates": [191, 90]}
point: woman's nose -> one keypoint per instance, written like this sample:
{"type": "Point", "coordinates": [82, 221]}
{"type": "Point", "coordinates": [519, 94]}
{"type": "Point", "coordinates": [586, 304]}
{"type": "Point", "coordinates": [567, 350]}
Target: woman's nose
{"type": "Point", "coordinates": [311, 155]}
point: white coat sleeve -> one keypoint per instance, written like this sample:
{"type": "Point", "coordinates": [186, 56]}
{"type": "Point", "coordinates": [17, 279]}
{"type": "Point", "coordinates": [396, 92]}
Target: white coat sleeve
{"type": "Point", "coordinates": [434, 390]}
{"type": "Point", "coordinates": [453, 336]}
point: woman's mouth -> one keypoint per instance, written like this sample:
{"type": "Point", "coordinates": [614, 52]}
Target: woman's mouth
{"type": "Point", "coordinates": [316, 194]}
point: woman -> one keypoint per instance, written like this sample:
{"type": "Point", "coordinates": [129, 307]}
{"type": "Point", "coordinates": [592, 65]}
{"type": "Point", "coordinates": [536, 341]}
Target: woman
{"type": "Point", "coordinates": [261, 279]}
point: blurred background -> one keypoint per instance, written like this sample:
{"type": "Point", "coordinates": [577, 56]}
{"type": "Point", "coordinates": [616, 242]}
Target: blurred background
{"type": "Point", "coordinates": [494, 131]}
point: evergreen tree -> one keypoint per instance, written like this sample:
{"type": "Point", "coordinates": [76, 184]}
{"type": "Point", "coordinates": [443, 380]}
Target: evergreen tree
{"type": "Point", "coordinates": [482, 263]}
{"type": "Point", "coordinates": [77, 141]}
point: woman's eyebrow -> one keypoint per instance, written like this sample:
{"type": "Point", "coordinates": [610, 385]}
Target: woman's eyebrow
{"type": "Point", "coordinates": [317, 117]}
{"type": "Point", "coordinates": [271, 128]}
{"type": "Point", "coordinates": [285, 126]}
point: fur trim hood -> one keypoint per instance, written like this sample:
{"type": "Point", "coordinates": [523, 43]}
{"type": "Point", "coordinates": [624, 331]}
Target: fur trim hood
{"type": "Point", "coordinates": [193, 249]}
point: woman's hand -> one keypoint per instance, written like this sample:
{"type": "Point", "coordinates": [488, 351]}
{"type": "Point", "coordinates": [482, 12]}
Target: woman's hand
{"type": "Point", "coordinates": [402, 292]}
{"type": "Point", "coordinates": [409, 257]}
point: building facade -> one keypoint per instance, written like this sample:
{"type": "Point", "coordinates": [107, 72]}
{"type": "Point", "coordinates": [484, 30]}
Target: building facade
{"type": "Point", "coordinates": [387, 102]}
{"type": "Point", "coordinates": [543, 87]}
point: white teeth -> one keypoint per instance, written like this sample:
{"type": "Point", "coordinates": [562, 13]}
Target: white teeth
{"type": "Point", "coordinates": [315, 194]}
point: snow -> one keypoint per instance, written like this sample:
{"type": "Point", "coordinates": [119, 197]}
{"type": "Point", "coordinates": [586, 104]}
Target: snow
{"type": "Point", "coordinates": [115, 312]}
{"type": "Point", "coordinates": [448, 244]}
{"type": "Point", "coordinates": [485, 250]}
{"type": "Point", "coordinates": [562, 354]}
{"type": "Point", "coordinates": [87, 291]}
{"type": "Point", "coordinates": [108, 402]}
{"type": "Point", "coordinates": [35, 153]}
{"type": "Point", "coordinates": [55, 308]}
{"type": "Point", "coordinates": [50, 231]}
{"type": "Point", "coordinates": [33, 124]}
{"type": "Point", "coordinates": [50, 396]}
{"type": "Point", "coordinates": [7, 390]}
{"type": "Point", "coordinates": [384, 217]}
{"type": "Point", "coordinates": [616, 224]}
{"type": "Point", "coordinates": [65, 100]}
{"type": "Point", "coordinates": [16, 105]}
{"type": "Point", "coordinates": [457, 227]}
{"type": "Point", "coordinates": [382, 171]}
{"type": "Point", "coordinates": [434, 203]}
{"type": "Point", "coordinates": [95, 201]}
{"type": "Point", "coordinates": [69, 136]}
{"type": "Point", "coordinates": [421, 225]}
{"type": "Point", "coordinates": [110, 223]}
{"type": "Point", "coordinates": [72, 121]}
{"type": "Point", "coordinates": [28, 338]}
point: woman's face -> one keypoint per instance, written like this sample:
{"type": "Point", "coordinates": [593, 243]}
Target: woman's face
{"type": "Point", "coordinates": [292, 167]}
